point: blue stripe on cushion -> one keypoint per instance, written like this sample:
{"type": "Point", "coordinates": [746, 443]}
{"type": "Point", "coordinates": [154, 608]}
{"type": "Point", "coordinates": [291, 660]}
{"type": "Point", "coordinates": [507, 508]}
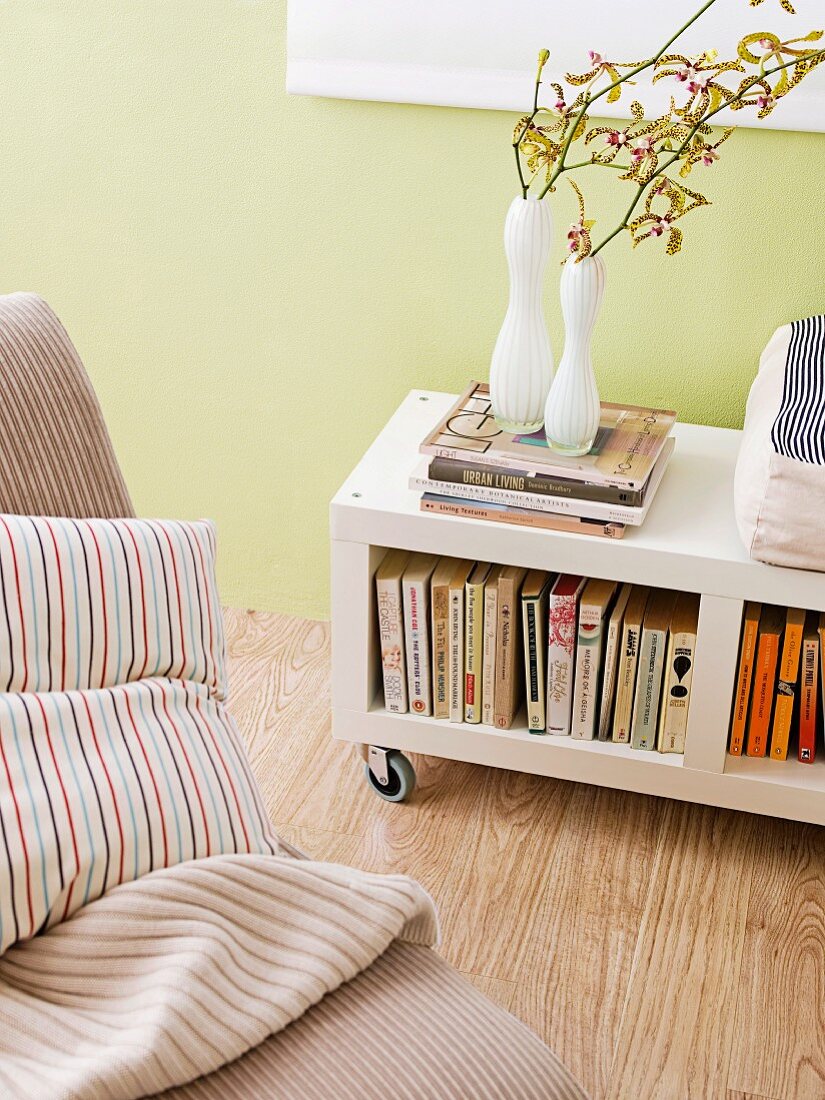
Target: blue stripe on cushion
{"type": "Point", "coordinates": [799, 429]}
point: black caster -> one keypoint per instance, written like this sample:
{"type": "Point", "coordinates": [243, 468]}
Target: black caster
{"type": "Point", "coordinates": [389, 773]}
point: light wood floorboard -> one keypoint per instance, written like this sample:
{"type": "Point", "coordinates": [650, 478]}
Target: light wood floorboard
{"type": "Point", "coordinates": [664, 950]}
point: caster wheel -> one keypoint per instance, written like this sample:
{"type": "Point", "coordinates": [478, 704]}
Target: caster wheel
{"type": "Point", "coordinates": [400, 781]}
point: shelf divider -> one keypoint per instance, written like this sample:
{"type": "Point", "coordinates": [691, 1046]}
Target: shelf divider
{"type": "Point", "coordinates": [714, 673]}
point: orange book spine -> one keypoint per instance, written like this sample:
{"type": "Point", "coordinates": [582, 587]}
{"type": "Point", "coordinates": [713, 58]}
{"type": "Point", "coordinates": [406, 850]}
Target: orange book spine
{"type": "Point", "coordinates": [744, 680]}
{"type": "Point", "coordinates": [786, 688]}
{"type": "Point", "coordinates": [767, 656]}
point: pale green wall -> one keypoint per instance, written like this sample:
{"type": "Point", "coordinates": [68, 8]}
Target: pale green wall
{"type": "Point", "coordinates": [255, 281]}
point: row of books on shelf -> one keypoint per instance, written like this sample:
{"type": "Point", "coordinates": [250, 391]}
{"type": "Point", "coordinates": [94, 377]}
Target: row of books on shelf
{"type": "Point", "coordinates": [474, 469]}
{"type": "Point", "coordinates": [777, 694]}
{"type": "Point", "coordinates": [590, 659]}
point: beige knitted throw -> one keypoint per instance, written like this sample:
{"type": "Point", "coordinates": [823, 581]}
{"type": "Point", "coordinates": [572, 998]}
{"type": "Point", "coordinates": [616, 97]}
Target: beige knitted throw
{"type": "Point", "coordinates": [170, 977]}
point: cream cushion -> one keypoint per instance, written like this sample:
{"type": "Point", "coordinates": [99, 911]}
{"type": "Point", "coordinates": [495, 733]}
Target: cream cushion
{"type": "Point", "coordinates": [779, 486]}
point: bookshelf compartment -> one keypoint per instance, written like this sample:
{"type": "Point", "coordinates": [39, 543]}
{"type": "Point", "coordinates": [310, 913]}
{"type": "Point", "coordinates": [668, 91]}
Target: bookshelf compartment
{"type": "Point", "coordinates": [688, 542]}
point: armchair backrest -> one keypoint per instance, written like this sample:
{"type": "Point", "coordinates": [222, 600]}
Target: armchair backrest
{"type": "Point", "coordinates": [56, 457]}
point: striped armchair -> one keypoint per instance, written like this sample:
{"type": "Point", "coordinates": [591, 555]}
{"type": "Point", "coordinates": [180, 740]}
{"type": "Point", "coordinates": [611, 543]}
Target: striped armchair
{"type": "Point", "coordinates": [409, 1026]}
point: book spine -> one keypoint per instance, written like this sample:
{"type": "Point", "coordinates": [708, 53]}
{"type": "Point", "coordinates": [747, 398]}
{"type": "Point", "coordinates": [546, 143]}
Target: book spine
{"type": "Point", "coordinates": [491, 458]}
{"type": "Point", "coordinates": [744, 680]}
{"type": "Point", "coordinates": [786, 692]}
{"type": "Point", "coordinates": [808, 701]}
{"type": "Point", "coordinates": [457, 654]}
{"type": "Point", "coordinates": [760, 712]}
{"type": "Point", "coordinates": [507, 655]}
{"type": "Point", "coordinates": [586, 690]}
{"type": "Point", "coordinates": [626, 684]}
{"type": "Point", "coordinates": [488, 668]}
{"type": "Point", "coordinates": [468, 473]}
{"type": "Point", "coordinates": [441, 656]}
{"type": "Point", "coordinates": [391, 638]}
{"type": "Point", "coordinates": [648, 689]}
{"type": "Point", "coordinates": [522, 518]}
{"type": "Point", "coordinates": [532, 666]}
{"type": "Point", "coordinates": [676, 700]}
{"type": "Point", "coordinates": [611, 645]}
{"type": "Point", "coordinates": [608, 513]}
{"type": "Point", "coordinates": [561, 634]}
{"type": "Point", "coordinates": [473, 652]}
{"type": "Point", "coordinates": [416, 632]}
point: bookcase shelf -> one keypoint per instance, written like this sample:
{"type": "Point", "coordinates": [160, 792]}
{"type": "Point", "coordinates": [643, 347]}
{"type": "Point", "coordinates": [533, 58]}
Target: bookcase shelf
{"type": "Point", "coordinates": [688, 542]}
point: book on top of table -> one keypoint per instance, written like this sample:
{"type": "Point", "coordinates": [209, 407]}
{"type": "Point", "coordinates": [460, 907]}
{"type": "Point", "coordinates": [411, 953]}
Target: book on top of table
{"type": "Point", "coordinates": [629, 441]}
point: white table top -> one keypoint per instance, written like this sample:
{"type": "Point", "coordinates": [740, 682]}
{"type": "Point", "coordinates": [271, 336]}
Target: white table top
{"type": "Point", "coordinates": [689, 539]}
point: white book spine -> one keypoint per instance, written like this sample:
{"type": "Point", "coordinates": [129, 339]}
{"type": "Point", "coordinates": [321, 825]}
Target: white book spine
{"type": "Point", "coordinates": [561, 648]}
{"type": "Point", "coordinates": [626, 684]}
{"type": "Point", "coordinates": [611, 653]}
{"type": "Point", "coordinates": [457, 654]}
{"type": "Point", "coordinates": [416, 632]}
{"type": "Point", "coordinates": [473, 651]}
{"type": "Point", "coordinates": [676, 696]}
{"type": "Point", "coordinates": [648, 689]}
{"type": "Point", "coordinates": [586, 691]}
{"type": "Point", "coordinates": [488, 673]}
{"type": "Point", "coordinates": [391, 637]}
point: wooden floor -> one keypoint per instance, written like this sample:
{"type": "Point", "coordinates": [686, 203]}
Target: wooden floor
{"type": "Point", "coordinates": [663, 950]}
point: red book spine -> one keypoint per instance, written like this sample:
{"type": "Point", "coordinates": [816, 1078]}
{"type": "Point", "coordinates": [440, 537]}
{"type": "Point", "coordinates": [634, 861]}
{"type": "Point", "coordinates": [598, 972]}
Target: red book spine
{"type": "Point", "coordinates": [808, 700]}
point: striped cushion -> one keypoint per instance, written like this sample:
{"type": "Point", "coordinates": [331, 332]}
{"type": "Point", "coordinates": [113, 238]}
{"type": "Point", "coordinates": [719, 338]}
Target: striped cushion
{"type": "Point", "coordinates": [100, 787]}
{"type": "Point", "coordinates": [90, 603]}
{"type": "Point", "coordinates": [799, 429]}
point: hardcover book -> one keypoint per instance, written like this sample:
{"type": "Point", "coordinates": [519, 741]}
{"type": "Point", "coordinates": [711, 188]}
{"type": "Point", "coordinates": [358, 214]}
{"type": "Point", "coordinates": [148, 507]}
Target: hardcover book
{"type": "Point", "coordinates": [628, 662]}
{"type": "Point", "coordinates": [629, 441]}
{"type": "Point", "coordinates": [440, 630]}
{"type": "Point", "coordinates": [522, 481]}
{"type": "Point", "coordinates": [533, 614]}
{"type": "Point", "coordinates": [416, 592]}
{"type": "Point", "coordinates": [809, 693]}
{"type": "Point", "coordinates": [612, 646]}
{"type": "Point", "coordinates": [651, 668]}
{"type": "Point", "coordinates": [786, 687]}
{"type": "Point", "coordinates": [562, 624]}
{"type": "Point", "coordinates": [681, 654]}
{"type": "Point", "coordinates": [474, 641]}
{"type": "Point", "coordinates": [593, 611]}
{"type": "Point", "coordinates": [509, 653]}
{"type": "Point", "coordinates": [521, 517]}
{"type": "Point", "coordinates": [771, 624]}
{"type": "Point", "coordinates": [744, 677]}
{"type": "Point", "coordinates": [455, 669]}
{"type": "Point", "coordinates": [420, 481]}
{"type": "Point", "coordinates": [488, 665]}
{"type": "Point", "coordinates": [391, 629]}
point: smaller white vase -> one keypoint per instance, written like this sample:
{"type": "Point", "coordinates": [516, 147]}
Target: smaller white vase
{"type": "Point", "coordinates": [522, 366]}
{"type": "Point", "coordinates": [571, 415]}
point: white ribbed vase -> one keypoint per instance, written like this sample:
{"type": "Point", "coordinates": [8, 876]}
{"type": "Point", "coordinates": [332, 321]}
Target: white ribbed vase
{"type": "Point", "coordinates": [571, 417]}
{"type": "Point", "coordinates": [522, 367]}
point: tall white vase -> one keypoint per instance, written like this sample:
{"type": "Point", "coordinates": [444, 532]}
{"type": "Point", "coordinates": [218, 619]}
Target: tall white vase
{"type": "Point", "coordinates": [571, 417]}
{"type": "Point", "coordinates": [522, 367]}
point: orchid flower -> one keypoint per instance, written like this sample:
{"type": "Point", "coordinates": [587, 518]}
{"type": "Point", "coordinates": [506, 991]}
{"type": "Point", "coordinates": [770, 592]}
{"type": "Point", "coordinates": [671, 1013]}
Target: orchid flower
{"type": "Point", "coordinates": [654, 223]}
{"type": "Point", "coordinates": [579, 243]}
{"type": "Point", "coordinates": [599, 66]}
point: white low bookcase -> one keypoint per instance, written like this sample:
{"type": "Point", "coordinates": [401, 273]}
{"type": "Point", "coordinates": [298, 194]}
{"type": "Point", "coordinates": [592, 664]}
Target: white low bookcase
{"type": "Point", "coordinates": [688, 542]}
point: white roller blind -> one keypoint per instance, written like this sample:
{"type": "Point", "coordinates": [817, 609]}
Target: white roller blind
{"type": "Point", "coordinates": [482, 53]}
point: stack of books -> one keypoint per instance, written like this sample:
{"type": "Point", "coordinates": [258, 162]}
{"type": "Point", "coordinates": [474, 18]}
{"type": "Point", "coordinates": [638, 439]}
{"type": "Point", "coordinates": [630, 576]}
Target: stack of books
{"type": "Point", "coordinates": [777, 696]}
{"type": "Point", "coordinates": [559, 654]}
{"type": "Point", "coordinates": [473, 469]}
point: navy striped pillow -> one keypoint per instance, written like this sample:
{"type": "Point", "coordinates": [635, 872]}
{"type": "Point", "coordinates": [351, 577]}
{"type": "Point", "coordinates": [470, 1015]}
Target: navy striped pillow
{"type": "Point", "coordinates": [799, 429]}
{"type": "Point", "coordinates": [90, 603]}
